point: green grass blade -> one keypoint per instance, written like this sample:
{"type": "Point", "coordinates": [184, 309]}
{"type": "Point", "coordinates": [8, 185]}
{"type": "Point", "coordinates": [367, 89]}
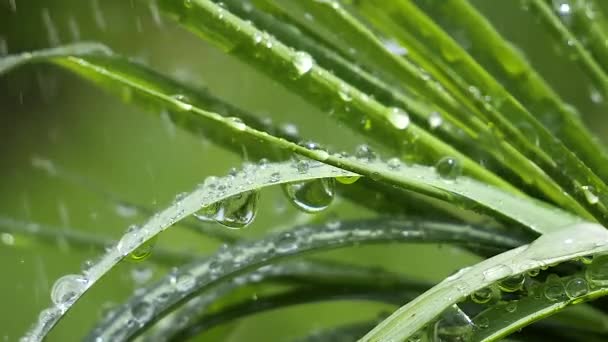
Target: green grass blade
{"type": "Point", "coordinates": [516, 74]}
{"type": "Point", "coordinates": [317, 85]}
{"type": "Point", "coordinates": [406, 22]}
{"type": "Point", "coordinates": [564, 245]}
{"type": "Point", "coordinates": [502, 151]}
{"type": "Point", "coordinates": [240, 259]}
{"type": "Point", "coordinates": [571, 43]}
{"type": "Point", "coordinates": [588, 23]}
{"type": "Point", "coordinates": [139, 81]}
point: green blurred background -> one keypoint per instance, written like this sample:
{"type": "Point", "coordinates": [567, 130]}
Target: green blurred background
{"type": "Point", "coordinates": [47, 114]}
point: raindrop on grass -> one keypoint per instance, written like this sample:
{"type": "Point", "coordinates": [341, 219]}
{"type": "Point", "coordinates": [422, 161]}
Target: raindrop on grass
{"type": "Point", "coordinates": [482, 296]}
{"type": "Point", "coordinates": [497, 272]}
{"type": "Point", "coordinates": [303, 62]}
{"type": "Point", "coordinates": [311, 196]}
{"type": "Point", "coordinates": [144, 251]}
{"type": "Point", "coordinates": [344, 93]}
{"type": "Point", "coordinates": [590, 195]}
{"type": "Point", "coordinates": [577, 287]}
{"type": "Point", "coordinates": [237, 123]}
{"type": "Point", "coordinates": [67, 288]}
{"type": "Point", "coordinates": [511, 306]}
{"type": "Point", "coordinates": [448, 168]}
{"type": "Point", "coordinates": [347, 180]}
{"type": "Point", "coordinates": [435, 120]}
{"type": "Point", "coordinates": [142, 312]}
{"type": "Point", "coordinates": [235, 212]}
{"type": "Point", "coordinates": [554, 288]}
{"type": "Point", "coordinates": [513, 283]}
{"type": "Point", "coordinates": [597, 271]}
{"type": "Point", "coordinates": [398, 118]}
{"type": "Point", "coordinates": [454, 325]}
{"type": "Point", "coordinates": [394, 164]}
{"type": "Point", "coordinates": [184, 282]}
{"type": "Point", "coordinates": [287, 242]}
{"type": "Point", "coordinates": [365, 152]}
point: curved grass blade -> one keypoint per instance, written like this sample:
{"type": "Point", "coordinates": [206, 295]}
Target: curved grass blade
{"type": "Point", "coordinates": [293, 273]}
{"type": "Point", "coordinates": [563, 245]}
{"type": "Point", "coordinates": [344, 333]}
{"type": "Point", "coordinates": [506, 63]}
{"type": "Point", "coordinates": [571, 43]}
{"type": "Point", "coordinates": [451, 130]}
{"type": "Point", "coordinates": [298, 295]}
{"type": "Point", "coordinates": [464, 192]}
{"type": "Point", "coordinates": [407, 23]}
{"type": "Point", "coordinates": [77, 238]}
{"type": "Point", "coordinates": [239, 259]}
{"type": "Point", "coordinates": [317, 85]}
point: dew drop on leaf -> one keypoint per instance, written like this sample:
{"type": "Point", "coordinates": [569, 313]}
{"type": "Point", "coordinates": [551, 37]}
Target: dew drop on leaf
{"type": "Point", "coordinates": [67, 288]}
{"type": "Point", "coordinates": [448, 168]}
{"type": "Point", "coordinates": [435, 120]}
{"type": "Point", "coordinates": [347, 179]}
{"type": "Point", "coordinates": [512, 284]}
{"type": "Point", "coordinates": [311, 196]}
{"type": "Point", "coordinates": [142, 311]}
{"type": "Point", "coordinates": [398, 118]}
{"type": "Point", "coordinates": [482, 296]}
{"type": "Point", "coordinates": [497, 272]}
{"type": "Point", "coordinates": [302, 62]}
{"type": "Point", "coordinates": [511, 306]}
{"type": "Point", "coordinates": [144, 251]}
{"type": "Point", "coordinates": [590, 195]}
{"type": "Point", "coordinates": [554, 288]}
{"type": "Point", "coordinates": [577, 287]}
{"type": "Point", "coordinates": [365, 153]}
{"type": "Point", "coordinates": [235, 212]}
{"type": "Point", "coordinates": [287, 242]}
{"type": "Point", "coordinates": [597, 271]}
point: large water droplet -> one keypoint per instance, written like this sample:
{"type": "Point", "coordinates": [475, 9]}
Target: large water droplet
{"type": "Point", "coordinates": [287, 242]}
{"type": "Point", "coordinates": [448, 168]}
{"type": "Point", "coordinates": [454, 325]}
{"type": "Point", "coordinates": [365, 152]}
{"type": "Point", "coordinates": [142, 312]}
{"type": "Point", "coordinates": [302, 62]}
{"type": "Point", "coordinates": [482, 296]}
{"type": "Point", "coordinates": [577, 287]}
{"type": "Point", "coordinates": [347, 179]}
{"type": "Point", "coordinates": [597, 271]}
{"type": "Point", "coordinates": [144, 251]}
{"type": "Point", "coordinates": [184, 282]}
{"type": "Point", "coordinates": [513, 283]}
{"type": "Point", "coordinates": [235, 212]}
{"type": "Point", "coordinates": [129, 240]}
{"type": "Point", "coordinates": [311, 196]}
{"type": "Point", "coordinates": [67, 288]}
{"type": "Point", "coordinates": [590, 195]}
{"type": "Point", "coordinates": [554, 288]}
{"type": "Point", "coordinates": [398, 117]}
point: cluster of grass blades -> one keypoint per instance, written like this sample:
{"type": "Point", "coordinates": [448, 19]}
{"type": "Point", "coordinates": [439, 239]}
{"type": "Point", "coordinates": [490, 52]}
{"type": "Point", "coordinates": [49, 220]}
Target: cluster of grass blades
{"type": "Point", "coordinates": [464, 158]}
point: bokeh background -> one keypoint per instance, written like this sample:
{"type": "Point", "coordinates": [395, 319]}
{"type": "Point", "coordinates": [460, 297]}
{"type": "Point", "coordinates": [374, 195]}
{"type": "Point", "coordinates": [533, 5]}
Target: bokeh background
{"type": "Point", "coordinates": [52, 121]}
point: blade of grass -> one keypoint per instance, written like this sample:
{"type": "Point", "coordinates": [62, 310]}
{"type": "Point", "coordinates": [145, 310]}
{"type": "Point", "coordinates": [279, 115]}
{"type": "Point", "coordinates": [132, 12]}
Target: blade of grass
{"type": "Point", "coordinates": [566, 244]}
{"type": "Point", "coordinates": [500, 150]}
{"type": "Point", "coordinates": [504, 61]}
{"type": "Point", "coordinates": [407, 23]}
{"type": "Point", "coordinates": [423, 180]}
{"type": "Point", "coordinates": [234, 261]}
{"type": "Point", "coordinates": [294, 273]}
{"type": "Point", "coordinates": [317, 85]}
{"type": "Point", "coordinates": [571, 44]}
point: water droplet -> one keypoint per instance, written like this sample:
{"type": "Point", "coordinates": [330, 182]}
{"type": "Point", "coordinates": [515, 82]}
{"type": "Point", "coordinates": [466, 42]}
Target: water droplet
{"type": "Point", "coordinates": [142, 311]}
{"type": "Point", "coordinates": [144, 251]}
{"type": "Point", "coordinates": [482, 296]}
{"type": "Point", "coordinates": [435, 120]}
{"type": "Point", "coordinates": [237, 123]}
{"type": "Point", "coordinates": [365, 152]}
{"type": "Point", "coordinates": [347, 179]}
{"type": "Point", "coordinates": [454, 325]}
{"type": "Point", "coordinates": [184, 282]}
{"type": "Point", "coordinates": [394, 47]}
{"type": "Point", "coordinates": [302, 166]}
{"type": "Point", "coordinates": [398, 117]}
{"type": "Point", "coordinates": [597, 271]}
{"type": "Point", "coordinates": [182, 102]}
{"type": "Point", "coordinates": [303, 62]}
{"type": "Point", "coordinates": [235, 212]}
{"type": "Point", "coordinates": [287, 242]}
{"type": "Point", "coordinates": [129, 240]}
{"type": "Point", "coordinates": [577, 287]}
{"type": "Point", "coordinates": [344, 93]}
{"type": "Point", "coordinates": [448, 168]}
{"type": "Point", "coordinates": [497, 272]}
{"type": "Point", "coordinates": [275, 177]}
{"type": "Point", "coordinates": [534, 272]}
{"type": "Point", "coordinates": [394, 164]}
{"type": "Point", "coordinates": [554, 288]}
{"type": "Point", "coordinates": [590, 195]}
{"type": "Point", "coordinates": [513, 283]}
{"type": "Point", "coordinates": [67, 288]}
{"type": "Point", "coordinates": [482, 322]}
{"type": "Point", "coordinates": [311, 196]}
{"type": "Point", "coordinates": [586, 259]}
{"type": "Point", "coordinates": [511, 306]}
{"type": "Point", "coordinates": [7, 238]}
